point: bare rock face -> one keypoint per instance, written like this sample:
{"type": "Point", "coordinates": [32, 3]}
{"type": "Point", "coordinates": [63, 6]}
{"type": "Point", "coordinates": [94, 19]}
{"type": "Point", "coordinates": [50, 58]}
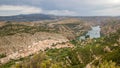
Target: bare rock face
{"type": "Point", "coordinates": [19, 41]}
{"type": "Point", "coordinates": [22, 45]}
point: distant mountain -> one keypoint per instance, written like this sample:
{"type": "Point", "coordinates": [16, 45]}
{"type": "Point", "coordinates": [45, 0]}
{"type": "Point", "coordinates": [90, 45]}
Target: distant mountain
{"type": "Point", "coordinates": [38, 17]}
{"type": "Point", "coordinates": [98, 19]}
{"type": "Point", "coordinates": [29, 17]}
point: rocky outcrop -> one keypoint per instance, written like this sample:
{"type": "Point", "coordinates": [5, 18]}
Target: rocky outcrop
{"type": "Point", "coordinates": [23, 45]}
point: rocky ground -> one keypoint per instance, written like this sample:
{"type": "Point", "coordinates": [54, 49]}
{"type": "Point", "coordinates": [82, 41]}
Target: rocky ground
{"type": "Point", "coordinates": [22, 45]}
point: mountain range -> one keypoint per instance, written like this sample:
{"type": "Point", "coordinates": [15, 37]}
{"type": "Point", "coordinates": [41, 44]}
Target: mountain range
{"type": "Point", "coordinates": [38, 17]}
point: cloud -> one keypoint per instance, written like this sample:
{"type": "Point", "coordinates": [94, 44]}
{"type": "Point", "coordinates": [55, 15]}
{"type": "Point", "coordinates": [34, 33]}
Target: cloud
{"type": "Point", "coordinates": [20, 9]}
{"type": "Point", "coordinates": [16, 10]}
{"type": "Point", "coordinates": [101, 2]}
{"type": "Point", "coordinates": [62, 12]}
{"type": "Point", "coordinates": [115, 11]}
{"type": "Point", "coordinates": [65, 7]}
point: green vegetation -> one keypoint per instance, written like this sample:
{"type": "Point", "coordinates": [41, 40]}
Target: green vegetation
{"type": "Point", "coordinates": [2, 55]}
{"type": "Point", "coordinates": [11, 29]}
{"type": "Point", "coordinates": [106, 64]}
{"type": "Point", "coordinates": [8, 65]}
{"type": "Point", "coordinates": [100, 53]}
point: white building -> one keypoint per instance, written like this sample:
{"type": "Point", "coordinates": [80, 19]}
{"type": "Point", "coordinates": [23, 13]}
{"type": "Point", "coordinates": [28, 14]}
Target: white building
{"type": "Point", "coordinates": [95, 32]}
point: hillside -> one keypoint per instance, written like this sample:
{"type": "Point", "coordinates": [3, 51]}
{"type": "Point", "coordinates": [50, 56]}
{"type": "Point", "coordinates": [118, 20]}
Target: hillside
{"type": "Point", "coordinates": [101, 53]}
{"type": "Point", "coordinates": [54, 43]}
{"type": "Point", "coordinates": [29, 17]}
{"type": "Point", "coordinates": [59, 33]}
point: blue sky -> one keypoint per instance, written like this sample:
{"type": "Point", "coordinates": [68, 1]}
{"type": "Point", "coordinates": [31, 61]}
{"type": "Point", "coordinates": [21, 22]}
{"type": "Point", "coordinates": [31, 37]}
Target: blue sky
{"type": "Point", "coordinates": [61, 7]}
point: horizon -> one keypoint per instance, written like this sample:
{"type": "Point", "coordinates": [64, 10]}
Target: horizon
{"type": "Point", "coordinates": [61, 15]}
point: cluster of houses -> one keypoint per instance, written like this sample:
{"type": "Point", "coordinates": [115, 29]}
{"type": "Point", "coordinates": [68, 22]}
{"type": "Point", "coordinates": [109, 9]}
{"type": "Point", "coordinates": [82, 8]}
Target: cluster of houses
{"type": "Point", "coordinates": [93, 33]}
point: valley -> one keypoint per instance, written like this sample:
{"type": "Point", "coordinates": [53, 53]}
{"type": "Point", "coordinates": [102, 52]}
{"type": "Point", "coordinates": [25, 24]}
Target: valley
{"type": "Point", "coordinates": [54, 42]}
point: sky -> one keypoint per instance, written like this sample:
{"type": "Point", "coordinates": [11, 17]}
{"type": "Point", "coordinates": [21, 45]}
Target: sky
{"type": "Point", "coordinates": [61, 7]}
